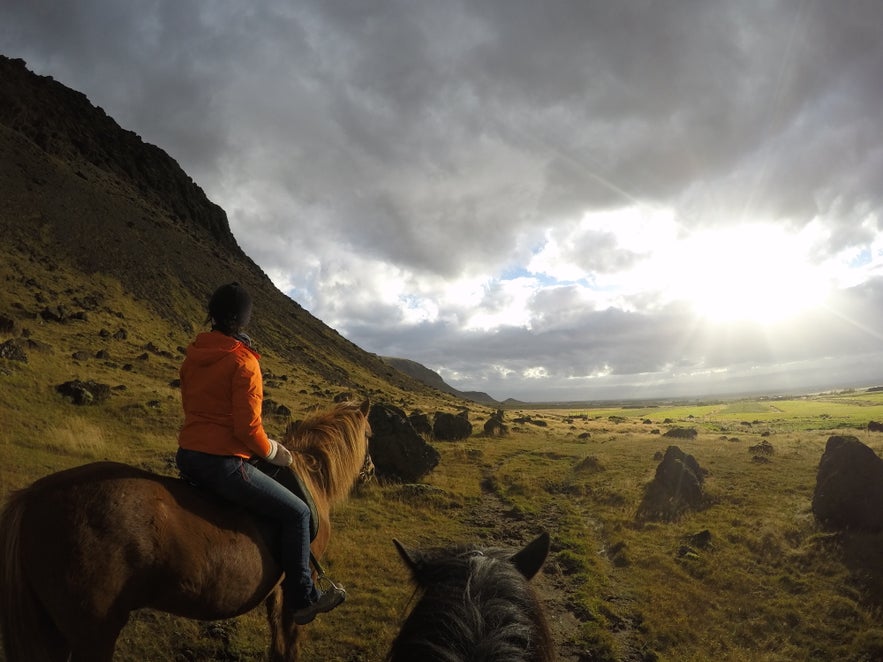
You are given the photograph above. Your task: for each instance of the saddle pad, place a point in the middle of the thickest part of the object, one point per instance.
(288, 478)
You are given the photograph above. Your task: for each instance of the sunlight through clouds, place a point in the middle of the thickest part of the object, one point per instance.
(758, 272)
(544, 204)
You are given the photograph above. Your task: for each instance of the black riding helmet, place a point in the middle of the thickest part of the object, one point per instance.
(229, 309)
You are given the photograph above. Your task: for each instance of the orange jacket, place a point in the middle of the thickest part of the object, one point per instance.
(222, 393)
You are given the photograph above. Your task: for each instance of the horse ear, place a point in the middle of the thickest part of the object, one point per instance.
(530, 559)
(365, 407)
(408, 557)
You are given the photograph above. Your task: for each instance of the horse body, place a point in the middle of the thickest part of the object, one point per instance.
(83, 548)
(476, 605)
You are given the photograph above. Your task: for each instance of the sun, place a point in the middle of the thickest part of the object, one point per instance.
(757, 273)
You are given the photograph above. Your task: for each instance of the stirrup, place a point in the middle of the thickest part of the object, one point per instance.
(323, 581)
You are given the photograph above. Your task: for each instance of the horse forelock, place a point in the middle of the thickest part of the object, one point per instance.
(474, 605)
(330, 447)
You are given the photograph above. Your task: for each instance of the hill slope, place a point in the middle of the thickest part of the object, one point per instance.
(431, 378)
(95, 221)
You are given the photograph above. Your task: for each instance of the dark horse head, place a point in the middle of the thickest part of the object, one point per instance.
(476, 604)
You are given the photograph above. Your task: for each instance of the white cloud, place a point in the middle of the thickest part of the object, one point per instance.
(511, 189)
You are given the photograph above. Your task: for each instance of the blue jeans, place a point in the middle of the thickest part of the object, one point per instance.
(234, 479)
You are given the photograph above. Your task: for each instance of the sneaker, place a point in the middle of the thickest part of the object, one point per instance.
(326, 602)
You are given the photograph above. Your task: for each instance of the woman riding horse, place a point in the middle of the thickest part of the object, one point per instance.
(222, 395)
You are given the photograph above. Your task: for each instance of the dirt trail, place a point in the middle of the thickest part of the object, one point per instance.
(500, 525)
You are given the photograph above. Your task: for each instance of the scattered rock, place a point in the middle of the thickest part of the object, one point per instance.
(701, 539)
(763, 448)
(676, 488)
(494, 426)
(153, 349)
(849, 486)
(420, 422)
(84, 393)
(7, 325)
(13, 351)
(398, 452)
(681, 433)
(451, 427)
(270, 408)
(81, 356)
(53, 314)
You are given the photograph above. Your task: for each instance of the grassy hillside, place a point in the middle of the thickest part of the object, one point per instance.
(433, 379)
(93, 206)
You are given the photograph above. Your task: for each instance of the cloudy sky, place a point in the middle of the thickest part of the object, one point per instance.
(557, 200)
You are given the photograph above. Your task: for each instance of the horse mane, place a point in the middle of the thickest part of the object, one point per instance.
(330, 447)
(475, 605)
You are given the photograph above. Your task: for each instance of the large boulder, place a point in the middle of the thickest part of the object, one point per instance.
(675, 489)
(451, 427)
(84, 393)
(849, 486)
(421, 423)
(398, 452)
(494, 426)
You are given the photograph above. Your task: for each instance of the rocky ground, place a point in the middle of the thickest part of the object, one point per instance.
(505, 527)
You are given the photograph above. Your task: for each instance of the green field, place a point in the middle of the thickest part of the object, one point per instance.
(769, 585)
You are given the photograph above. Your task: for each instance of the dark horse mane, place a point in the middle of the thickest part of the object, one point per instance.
(475, 604)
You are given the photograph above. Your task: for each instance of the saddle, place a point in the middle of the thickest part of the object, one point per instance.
(289, 479)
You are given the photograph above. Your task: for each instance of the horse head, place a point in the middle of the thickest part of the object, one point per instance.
(475, 599)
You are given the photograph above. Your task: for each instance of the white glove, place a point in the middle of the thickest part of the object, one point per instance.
(278, 454)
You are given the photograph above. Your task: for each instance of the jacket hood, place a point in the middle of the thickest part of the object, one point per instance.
(212, 346)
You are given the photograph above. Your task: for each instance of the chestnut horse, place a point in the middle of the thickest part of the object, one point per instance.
(80, 549)
(476, 604)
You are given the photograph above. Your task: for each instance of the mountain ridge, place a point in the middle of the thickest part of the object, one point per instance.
(435, 380)
(80, 190)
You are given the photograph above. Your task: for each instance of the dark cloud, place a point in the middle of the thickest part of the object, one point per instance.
(373, 155)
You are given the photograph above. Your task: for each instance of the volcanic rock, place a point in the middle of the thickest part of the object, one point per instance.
(849, 486)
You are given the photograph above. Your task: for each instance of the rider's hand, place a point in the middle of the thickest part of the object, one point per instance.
(278, 455)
